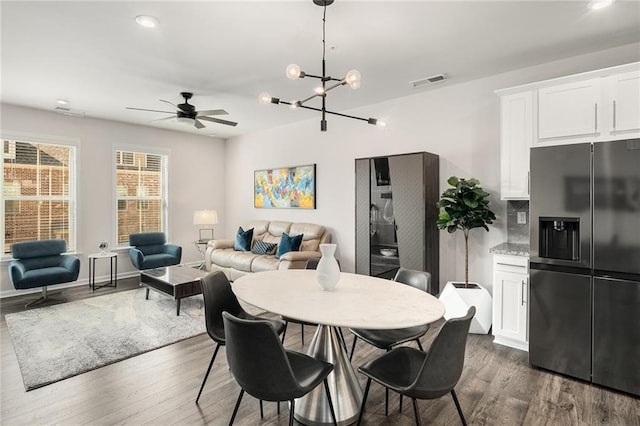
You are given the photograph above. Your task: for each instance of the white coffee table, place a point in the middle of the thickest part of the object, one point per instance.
(358, 301)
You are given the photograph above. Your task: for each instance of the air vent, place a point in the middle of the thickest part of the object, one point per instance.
(438, 78)
(68, 111)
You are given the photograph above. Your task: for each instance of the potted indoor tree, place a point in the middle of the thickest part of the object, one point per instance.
(465, 206)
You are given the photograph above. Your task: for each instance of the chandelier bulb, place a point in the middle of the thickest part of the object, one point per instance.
(319, 90)
(294, 105)
(264, 98)
(293, 71)
(353, 79)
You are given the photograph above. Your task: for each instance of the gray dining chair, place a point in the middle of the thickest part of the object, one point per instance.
(218, 298)
(423, 374)
(265, 370)
(387, 339)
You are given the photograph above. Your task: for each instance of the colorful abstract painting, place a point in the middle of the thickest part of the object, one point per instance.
(285, 188)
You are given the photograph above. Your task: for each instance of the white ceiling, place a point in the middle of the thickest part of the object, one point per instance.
(227, 52)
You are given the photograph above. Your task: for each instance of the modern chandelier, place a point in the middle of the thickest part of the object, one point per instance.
(293, 71)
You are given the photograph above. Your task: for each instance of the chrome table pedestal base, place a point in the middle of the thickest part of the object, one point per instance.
(346, 392)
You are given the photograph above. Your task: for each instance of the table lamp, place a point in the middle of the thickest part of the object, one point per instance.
(206, 218)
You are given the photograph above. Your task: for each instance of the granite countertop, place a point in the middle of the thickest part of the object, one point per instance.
(511, 249)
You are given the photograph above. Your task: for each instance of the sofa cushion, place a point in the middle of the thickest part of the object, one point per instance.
(288, 243)
(230, 258)
(242, 261)
(265, 263)
(262, 247)
(259, 228)
(277, 228)
(222, 257)
(312, 234)
(243, 239)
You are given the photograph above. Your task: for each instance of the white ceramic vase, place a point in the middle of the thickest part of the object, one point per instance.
(328, 271)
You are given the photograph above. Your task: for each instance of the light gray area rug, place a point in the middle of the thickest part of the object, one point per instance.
(57, 342)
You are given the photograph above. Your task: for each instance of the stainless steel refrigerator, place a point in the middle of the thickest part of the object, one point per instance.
(584, 318)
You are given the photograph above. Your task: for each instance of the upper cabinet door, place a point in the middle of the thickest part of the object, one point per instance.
(569, 110)
(516, 140)
(625, 102)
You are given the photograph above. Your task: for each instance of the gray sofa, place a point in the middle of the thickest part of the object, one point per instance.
(221, 256)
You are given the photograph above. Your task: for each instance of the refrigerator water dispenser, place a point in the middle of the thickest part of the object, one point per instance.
(560, 238)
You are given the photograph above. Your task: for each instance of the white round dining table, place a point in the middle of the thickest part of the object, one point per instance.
(358, 301)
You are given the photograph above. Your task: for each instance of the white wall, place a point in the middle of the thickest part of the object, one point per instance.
(196, 179)
(460, 123)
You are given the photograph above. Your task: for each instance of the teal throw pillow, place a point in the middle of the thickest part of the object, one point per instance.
(288, 244)
(262, 247)
(243, 239)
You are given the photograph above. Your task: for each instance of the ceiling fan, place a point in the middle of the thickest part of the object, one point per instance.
(187, 114)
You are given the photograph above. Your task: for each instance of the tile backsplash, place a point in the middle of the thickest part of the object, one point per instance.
(517, 232)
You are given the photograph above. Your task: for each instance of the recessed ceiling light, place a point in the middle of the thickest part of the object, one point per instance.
(62, 102)
(147, 21)
(599, 4)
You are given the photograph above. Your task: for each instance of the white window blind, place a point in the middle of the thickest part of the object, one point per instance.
(141, 195)
(38, 192)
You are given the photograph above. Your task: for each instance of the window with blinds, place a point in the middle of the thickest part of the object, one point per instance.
(141, 194)
(38, 192)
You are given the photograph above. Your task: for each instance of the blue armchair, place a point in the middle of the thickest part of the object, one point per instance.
(40, 264)
(150, 250)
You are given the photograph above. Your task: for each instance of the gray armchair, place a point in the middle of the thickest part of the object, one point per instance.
(40, 264)
(150, 250)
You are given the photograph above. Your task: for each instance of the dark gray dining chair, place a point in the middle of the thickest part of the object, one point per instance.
(387, 339)
(218, 297)
(265, 370)
(423, 375)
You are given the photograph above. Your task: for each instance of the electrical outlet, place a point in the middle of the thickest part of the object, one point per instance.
(522, 218)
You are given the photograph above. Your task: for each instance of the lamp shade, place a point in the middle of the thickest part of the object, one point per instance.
(205, 217)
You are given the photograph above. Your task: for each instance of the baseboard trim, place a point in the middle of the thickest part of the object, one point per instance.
(80, 282)
(83, 281)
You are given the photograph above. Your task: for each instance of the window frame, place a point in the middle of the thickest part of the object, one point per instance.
(164, 197)
(74, 178)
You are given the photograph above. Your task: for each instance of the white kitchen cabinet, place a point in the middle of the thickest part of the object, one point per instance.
(510, 301)
(623, 104)
(595, 106)
(515, 142)
(570, 110)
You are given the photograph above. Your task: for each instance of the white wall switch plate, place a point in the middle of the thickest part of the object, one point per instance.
(522, 218)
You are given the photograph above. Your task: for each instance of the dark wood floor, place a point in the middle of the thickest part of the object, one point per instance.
(497, 387)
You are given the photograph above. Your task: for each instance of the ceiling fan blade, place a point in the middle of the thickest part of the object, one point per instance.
(217, 120)
(163, 119)
(152, 110)
(212, 112)
(172, 104)
(198, 124)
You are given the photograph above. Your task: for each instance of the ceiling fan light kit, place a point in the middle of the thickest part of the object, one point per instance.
(352, 78)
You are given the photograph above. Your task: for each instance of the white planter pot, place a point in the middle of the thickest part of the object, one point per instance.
(458, 301)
